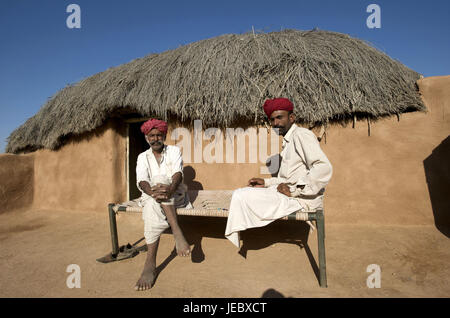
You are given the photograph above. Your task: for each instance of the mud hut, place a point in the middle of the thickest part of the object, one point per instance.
(223, 80)
(83, 143)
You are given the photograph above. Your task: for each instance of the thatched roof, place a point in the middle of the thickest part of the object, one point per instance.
(329, 76)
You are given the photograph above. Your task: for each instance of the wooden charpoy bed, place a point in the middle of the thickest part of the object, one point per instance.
(209, 203)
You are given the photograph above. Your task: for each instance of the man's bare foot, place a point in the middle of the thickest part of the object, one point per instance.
(183, 248)
(147, 279)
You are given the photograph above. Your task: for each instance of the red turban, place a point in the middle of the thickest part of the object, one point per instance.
(154, 123)
(275, 104)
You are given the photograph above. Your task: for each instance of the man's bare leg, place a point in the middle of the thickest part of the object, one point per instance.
(148, 274)
(182, 245)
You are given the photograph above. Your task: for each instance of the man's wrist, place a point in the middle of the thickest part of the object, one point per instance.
(150, 192)
(172, 187)
(297, 192)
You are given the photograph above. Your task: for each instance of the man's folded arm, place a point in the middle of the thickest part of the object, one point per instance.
(317, 163)
(177, 159)
(142, 175)
(145, 187)
(177, 169)
(273, 181)
(176, 180)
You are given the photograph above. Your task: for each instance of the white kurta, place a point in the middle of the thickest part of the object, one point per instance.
(304, 167)
(148, 169)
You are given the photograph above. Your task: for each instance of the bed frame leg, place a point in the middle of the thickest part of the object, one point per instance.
(113, 228)
(320, 219)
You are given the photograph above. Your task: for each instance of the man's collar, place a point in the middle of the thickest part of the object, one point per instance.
(288, 135)
(150, 150)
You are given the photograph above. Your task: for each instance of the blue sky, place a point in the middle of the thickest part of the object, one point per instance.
(39, 54)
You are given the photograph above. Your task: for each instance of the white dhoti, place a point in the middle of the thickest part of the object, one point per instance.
(257, 207)
(155, 220)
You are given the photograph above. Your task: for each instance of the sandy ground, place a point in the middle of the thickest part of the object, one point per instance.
(39, 245)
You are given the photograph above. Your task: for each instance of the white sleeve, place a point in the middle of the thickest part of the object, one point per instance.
(142, 171)
(177, 161)
(273, 181)
(317, 163)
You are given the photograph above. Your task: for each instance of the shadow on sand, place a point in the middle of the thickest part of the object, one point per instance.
(196, 228)
(272, 293)
(437, 171)
(291, 232)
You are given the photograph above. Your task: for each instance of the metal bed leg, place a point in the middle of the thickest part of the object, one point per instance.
(320, 219)
(113, 228)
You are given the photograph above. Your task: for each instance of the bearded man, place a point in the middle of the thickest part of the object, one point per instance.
(159, 175)
(299, 186)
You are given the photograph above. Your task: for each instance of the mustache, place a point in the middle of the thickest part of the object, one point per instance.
(156, 142)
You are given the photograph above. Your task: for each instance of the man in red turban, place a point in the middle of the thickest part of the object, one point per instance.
(275, 104)
(159, 174)
(154, 123)
(282, 110)
(303, 173)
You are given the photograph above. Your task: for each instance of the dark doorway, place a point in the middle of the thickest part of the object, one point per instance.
(136, 145)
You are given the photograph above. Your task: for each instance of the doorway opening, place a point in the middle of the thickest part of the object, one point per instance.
(136, 145)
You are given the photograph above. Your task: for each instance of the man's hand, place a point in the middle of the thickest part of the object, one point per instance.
(161, 188)
(284, 189)
(256, 183)
(161, 192)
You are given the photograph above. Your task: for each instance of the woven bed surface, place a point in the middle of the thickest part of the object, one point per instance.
(200, 199)
(213, 203)
(211, 199)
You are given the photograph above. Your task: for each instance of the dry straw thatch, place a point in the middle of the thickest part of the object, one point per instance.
(329, 76)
